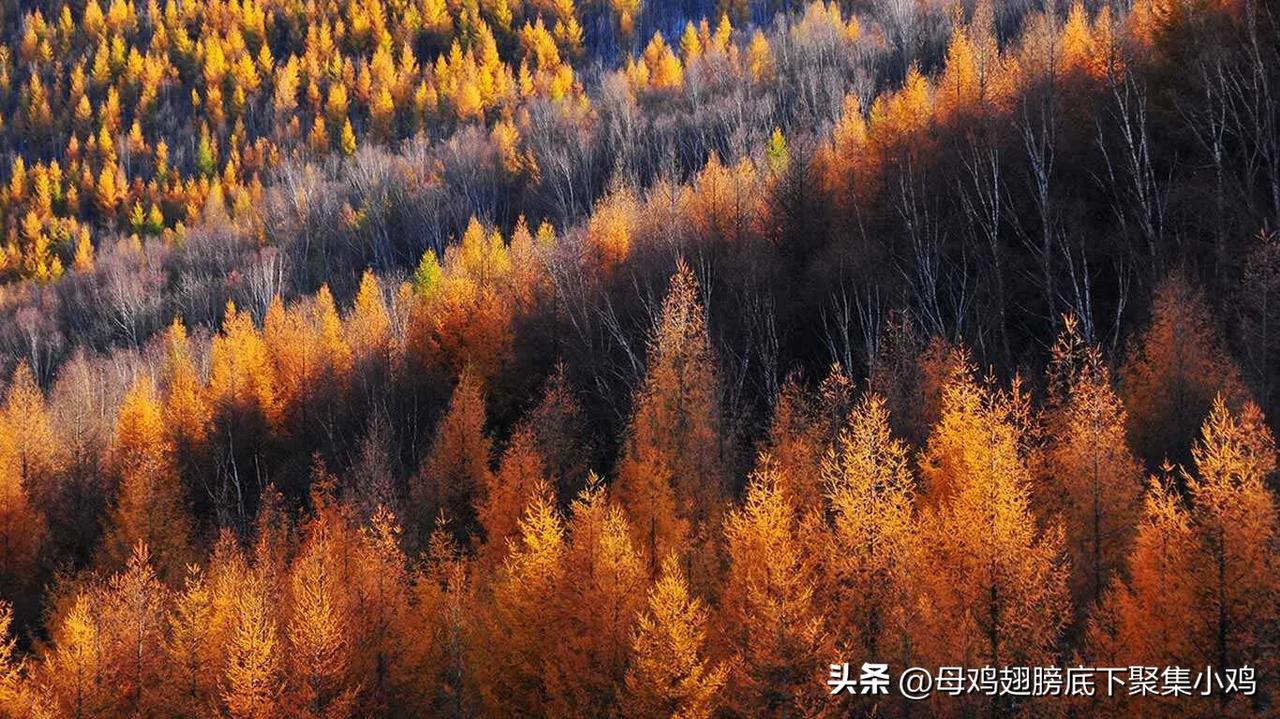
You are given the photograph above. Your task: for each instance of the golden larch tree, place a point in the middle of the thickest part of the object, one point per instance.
(671, 673)
(998, 592)
(805, 423)
(770, 612)
(510, 490)
(22, 526)
(1092, 479)
(253, 684)
(74, 671)
(602, 594)
(368, 329)
(242, 380)
(873, 548)
(151, 506)
(523, 622)
(669, 475)
(193, 649)
(135, 606)
(36, 457)
(187, 414)
(1233, 511)
(1202, 586)
(560, 429)
(318, 632)
(1146, 617)
(18, 696)
(1173, 373)
(456, 471)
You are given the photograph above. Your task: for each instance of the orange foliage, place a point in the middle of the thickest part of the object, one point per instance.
(22, 468)
(999, 594)
(1093, 481)
(669, 474)
(150, 509)
(771, 611)
(873, 548)
(241, 377)
(456, 472)
(671, 672)
(1173, 373)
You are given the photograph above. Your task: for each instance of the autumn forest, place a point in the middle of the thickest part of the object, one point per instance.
(634, 358)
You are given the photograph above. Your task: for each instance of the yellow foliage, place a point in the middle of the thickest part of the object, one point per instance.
(665, 70)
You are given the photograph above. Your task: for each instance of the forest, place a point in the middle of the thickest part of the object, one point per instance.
(403, 358)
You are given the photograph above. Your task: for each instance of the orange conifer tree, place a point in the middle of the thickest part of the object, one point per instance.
(671, 674)
(1093, 479)
(602, 594)
(524, 624)
(873, 547)
(456, 471)
(1170, 378)
(998, 595)
(770, 610)
(669, 474)
(151, 507)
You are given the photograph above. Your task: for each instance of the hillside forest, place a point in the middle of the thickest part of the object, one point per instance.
(633, 358)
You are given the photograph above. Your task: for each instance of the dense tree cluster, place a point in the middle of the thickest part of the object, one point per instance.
(141, 119)
(431, 358)
(504, 577)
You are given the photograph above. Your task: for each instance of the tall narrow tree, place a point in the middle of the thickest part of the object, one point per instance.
(669, 475)
(770, 610)
(998, 595)
(151, 506)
